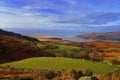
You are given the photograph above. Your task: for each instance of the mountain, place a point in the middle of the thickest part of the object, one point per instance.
(114, 36)
(6, 33)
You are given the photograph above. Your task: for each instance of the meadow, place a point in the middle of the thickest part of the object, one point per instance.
(50, 63)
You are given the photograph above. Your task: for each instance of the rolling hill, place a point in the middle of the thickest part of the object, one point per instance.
(12, 48)
(16, 47)
(45, 55)
(114, 36)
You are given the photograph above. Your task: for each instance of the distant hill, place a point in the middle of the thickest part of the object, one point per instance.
(6, 33)
(114, 36)
(50, 39)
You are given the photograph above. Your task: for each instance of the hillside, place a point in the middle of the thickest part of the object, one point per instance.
(12, 48)
(16, 48)
(12, 34)
(62, 63)
(34, 55)
(114, 36)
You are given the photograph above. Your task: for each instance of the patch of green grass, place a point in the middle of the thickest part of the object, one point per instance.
(63, 63)
(62, 50)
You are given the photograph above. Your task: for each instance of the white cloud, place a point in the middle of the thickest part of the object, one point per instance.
(13, 11)
(32, 14)
(28, 7)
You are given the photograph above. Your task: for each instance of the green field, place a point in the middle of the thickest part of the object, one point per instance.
(60, 50)
(63, 63)
(54, 47)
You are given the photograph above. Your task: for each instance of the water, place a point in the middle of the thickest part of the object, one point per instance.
(64, 34)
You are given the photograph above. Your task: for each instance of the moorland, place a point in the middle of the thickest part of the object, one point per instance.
(33, 58)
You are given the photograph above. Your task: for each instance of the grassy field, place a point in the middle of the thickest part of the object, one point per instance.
(60, 50)
(63, 63)
(60, 47)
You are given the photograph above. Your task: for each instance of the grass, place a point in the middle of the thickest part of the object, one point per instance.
(59, 48)
(63, 63)
(55, 46)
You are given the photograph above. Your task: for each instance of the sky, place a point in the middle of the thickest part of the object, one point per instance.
(90, 15)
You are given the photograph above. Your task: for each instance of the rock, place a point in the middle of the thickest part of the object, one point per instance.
(88, 78)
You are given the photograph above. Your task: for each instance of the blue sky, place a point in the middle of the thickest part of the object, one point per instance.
(88, 15)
